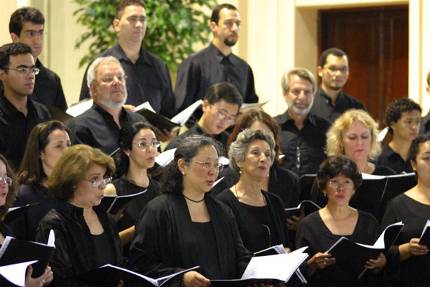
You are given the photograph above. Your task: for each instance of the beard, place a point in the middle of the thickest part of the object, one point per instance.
(300, 111)
(114, 105)
(230, 42)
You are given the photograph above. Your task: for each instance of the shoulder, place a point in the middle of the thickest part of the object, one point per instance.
(274, 200)
(367, 219)
(383, 170)
(153, 59)
(226, 196)
(319, 122)
(42, 110)
(355, 103)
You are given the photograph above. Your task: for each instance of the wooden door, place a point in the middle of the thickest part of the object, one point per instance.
(376, 41)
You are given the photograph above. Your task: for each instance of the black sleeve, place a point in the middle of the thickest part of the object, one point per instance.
(187, 84)
(61, 263)
(60, 100)
(148, 245)
(168, 107)
(250, 95)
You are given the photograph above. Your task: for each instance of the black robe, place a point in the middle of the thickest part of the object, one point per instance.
(276, 225)
(158, 248)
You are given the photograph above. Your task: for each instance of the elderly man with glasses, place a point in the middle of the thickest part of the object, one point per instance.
(220, 108)
(18, 113)
(99, 126)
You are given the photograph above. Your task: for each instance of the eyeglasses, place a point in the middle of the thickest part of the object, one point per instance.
(223, 115)
(99, 182)
(347, 183)
(111, 79)
(6, 179)
(209, 165)
(25, 70)
(144, 145)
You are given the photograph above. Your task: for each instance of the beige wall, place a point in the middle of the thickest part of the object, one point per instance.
(276, 35)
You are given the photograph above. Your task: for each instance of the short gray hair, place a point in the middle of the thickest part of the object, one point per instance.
(239, 147)
(92, 69)
(303, 74)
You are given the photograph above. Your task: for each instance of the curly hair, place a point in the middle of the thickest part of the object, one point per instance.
(338, 165)
(394, 111)
(248, 118)
(239, 148)
(343, 123)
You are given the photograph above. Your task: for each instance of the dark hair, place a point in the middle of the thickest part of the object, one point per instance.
(394, 111)
(30, 170)
(11, 195)
(12, 49)
(331, 51)
(172, 181)
(72, 168)
(223, 91)
(24, 14)
(415, 146)
(217, 10)
(125, 3)
(338, 165)
(248, 118)
(126, 136)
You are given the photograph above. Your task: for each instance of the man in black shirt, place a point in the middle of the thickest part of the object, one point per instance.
(216, 63)
(302, 134)
(425, 122)
(330, 101)
(26, 26)
(18, 113)
(220, 108)
(148, 78)
(99, 126)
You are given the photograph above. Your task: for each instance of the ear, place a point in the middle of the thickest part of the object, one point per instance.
(2, 74)
(414, 165)
(115, 25)
(428, 89)
(182, 166)
(93, 89)
(14, 37)
(213, 26)
(319, 71)
(127, 152)
(205, 105)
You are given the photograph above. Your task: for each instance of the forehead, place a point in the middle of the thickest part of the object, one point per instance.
(21, 60)
(357, 127)
(108, 68)
(424, 147)
(259, 125)
(133, 10)
(223, 105)
(58, 134)
(145, 133)
(333, 60)
(257, 143)
(30, 26)
(410, 114)
(228, 14)
(297, 82)
(207, 151)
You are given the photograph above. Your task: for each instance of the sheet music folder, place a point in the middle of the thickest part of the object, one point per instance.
(109, 276)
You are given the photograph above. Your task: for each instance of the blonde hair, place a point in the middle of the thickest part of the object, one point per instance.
(343, 123)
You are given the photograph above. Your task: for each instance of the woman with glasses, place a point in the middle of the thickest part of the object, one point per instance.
(45, 145)
(402, 118)
(411, 259)
(353, 135)
(338, 178)
(260, 215)
(185, 226)
(138, 149)
(7, 196)
(84, 236)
